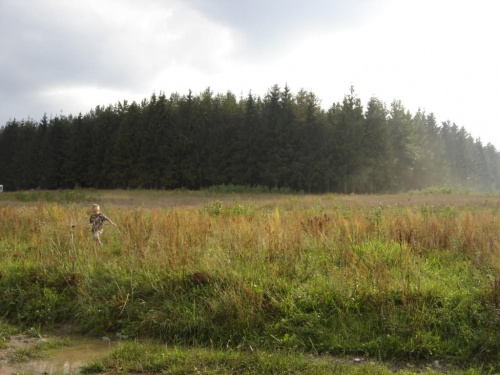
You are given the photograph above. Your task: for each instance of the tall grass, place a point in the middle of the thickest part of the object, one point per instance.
(322, 274)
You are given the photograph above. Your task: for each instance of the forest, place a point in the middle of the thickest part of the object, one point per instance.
(282, 140)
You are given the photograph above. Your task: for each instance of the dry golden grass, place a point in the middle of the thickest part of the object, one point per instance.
(153, 223)
(202, 230)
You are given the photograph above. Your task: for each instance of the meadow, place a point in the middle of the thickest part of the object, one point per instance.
(260, 282)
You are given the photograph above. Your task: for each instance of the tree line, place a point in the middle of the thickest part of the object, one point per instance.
(282, 140)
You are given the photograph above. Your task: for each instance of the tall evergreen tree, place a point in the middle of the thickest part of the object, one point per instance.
(126, 147)
(376, 145)
(403, 144)
(249, 146)
(310, 160)
(273, 167)
(52, 155)
(104, 123)
(492, 158)
(78, 149)
(9, 144)
(348, 129)
(282, 140)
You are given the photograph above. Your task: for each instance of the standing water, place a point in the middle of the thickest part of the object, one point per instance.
(65, 360)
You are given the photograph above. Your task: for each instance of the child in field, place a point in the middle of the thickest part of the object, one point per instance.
(97, 220)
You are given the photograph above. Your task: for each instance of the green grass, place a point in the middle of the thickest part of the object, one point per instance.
(47, 196)
(156, 359)
(294, 276)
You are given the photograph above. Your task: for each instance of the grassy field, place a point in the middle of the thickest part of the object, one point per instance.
(261, 282)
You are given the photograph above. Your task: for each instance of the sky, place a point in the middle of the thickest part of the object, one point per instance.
(64, 57)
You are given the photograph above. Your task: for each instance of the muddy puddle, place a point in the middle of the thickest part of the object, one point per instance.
(65, 360)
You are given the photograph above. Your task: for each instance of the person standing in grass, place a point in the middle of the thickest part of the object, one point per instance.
(97, 220)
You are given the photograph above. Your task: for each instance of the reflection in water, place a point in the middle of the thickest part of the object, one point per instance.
(65, 360)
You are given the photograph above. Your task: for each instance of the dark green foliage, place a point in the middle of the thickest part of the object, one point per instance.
(282, 141)
(377, 146)
(34, 295)
(202, 308)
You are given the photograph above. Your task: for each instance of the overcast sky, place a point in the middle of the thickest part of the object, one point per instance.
(65, 57)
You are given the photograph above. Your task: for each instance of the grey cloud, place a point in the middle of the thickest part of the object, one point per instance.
(55, 44)
(51, 48)
(55, 47)
(265, 25)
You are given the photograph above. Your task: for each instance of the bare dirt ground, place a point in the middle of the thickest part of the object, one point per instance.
(194, 199)
(10, 348)
(199, 199)
(20, 354)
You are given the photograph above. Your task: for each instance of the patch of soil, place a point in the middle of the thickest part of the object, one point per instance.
(66, 359)
(16, 342)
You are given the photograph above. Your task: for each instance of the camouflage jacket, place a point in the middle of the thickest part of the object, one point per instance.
(97, 221)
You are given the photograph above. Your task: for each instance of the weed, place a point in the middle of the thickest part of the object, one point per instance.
(214, 208)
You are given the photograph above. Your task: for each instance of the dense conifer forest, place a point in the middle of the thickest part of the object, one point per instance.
(282, 140)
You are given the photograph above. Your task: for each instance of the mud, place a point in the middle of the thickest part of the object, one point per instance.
(64, 360)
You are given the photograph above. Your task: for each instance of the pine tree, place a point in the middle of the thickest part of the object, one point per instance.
(347, 122)
(403, 135)
(376, 144)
